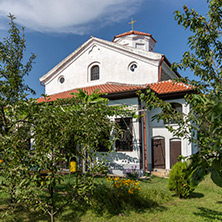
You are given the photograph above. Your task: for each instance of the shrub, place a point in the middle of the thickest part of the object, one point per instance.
(124, 185)
(179, 180)
(132, 173)
(118, 196)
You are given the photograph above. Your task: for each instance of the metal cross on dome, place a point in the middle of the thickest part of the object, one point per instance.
(132, 22)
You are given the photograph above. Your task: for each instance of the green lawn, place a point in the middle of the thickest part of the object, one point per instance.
(154, 203)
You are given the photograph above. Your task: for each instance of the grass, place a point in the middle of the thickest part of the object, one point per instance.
(154, 203)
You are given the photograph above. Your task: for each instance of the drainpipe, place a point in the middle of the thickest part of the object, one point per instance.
(160, 68)
(144, 136)
(140, 136)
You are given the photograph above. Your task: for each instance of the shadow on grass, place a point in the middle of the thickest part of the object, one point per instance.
(20, 214)
(209, 214)
(196, 195)
(73, 212)
(153, 177)
(112, 201)
(105, 202)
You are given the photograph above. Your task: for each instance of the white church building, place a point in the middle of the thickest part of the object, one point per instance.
(120, 68)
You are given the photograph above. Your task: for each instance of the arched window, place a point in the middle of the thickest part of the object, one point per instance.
(177, 107)
(94, 73)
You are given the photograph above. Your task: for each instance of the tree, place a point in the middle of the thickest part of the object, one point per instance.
(80, 119)
(13, 93)
(31, 176)
(203, 125)
(94, 125)
(50, 131)
(12, 70)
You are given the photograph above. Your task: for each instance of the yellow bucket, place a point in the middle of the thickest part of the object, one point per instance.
(73, 166)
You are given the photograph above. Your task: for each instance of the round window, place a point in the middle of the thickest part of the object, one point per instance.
(133, 67)
(61, 79)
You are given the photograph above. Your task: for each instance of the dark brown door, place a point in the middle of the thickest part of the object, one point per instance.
(175, 151)
(158, 148)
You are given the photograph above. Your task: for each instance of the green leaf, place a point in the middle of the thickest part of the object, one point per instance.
(216, 176)
(217, 164)
(197, 176)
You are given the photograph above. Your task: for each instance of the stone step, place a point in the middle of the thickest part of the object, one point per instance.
(160, 173)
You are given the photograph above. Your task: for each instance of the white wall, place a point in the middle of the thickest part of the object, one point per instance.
(114, 67)
(137, 41)
(158, 129)
(121, 161)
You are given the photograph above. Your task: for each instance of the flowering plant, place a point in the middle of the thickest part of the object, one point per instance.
(122, 185)
(132, 173)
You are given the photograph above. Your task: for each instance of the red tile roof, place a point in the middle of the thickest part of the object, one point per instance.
(134, 33)
(169, 87)
(164, 87)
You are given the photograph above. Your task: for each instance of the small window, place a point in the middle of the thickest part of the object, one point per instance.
(125, 140)
(94, 73)
(177, 107)
(61, 79)
(132, 66)
(140, 46)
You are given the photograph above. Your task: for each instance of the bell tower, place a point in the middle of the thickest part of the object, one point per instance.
(136, 39)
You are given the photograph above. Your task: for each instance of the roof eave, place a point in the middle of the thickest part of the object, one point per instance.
(175, 95)
(169, 64)
(119, 36)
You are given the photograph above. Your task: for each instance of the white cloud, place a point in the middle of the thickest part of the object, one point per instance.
(70, 16)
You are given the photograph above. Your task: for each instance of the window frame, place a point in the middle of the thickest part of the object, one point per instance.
(60, 78)
(93, 75)
(128, 130)
(132, 67)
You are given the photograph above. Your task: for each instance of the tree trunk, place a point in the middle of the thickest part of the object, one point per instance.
(52, 204)
(52, 216)
(84, 161)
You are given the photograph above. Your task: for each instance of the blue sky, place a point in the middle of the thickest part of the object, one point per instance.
(55, 28)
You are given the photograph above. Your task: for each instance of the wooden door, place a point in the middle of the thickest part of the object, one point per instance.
(175, 151)
(158, 150)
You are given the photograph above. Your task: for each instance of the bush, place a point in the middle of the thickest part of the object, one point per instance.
(179, 180)
(133, 173)
(124, 185)
(120, 195)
